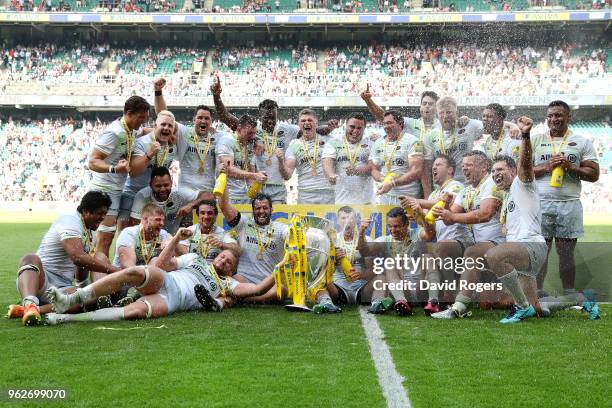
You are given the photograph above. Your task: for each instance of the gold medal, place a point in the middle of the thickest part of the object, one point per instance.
(129, 139)
(270, 144)
(146, 253)
(315, 154)
(260, 244)
(388, 160)
(201, 155)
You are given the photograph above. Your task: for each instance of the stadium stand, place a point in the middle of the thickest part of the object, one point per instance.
(467, 69)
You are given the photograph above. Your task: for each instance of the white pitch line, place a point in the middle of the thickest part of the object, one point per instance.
(389, 379)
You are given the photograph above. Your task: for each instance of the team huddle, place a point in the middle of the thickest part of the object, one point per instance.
(493, 193)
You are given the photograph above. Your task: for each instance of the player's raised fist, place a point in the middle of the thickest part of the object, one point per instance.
(159, 84)
(525, 124)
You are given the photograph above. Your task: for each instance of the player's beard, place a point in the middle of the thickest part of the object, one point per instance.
(263, 221)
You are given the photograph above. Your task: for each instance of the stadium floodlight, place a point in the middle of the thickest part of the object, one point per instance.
(576, 107)
(18, 107)
(512, 107)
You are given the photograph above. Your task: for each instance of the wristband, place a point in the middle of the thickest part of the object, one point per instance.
(525, 135)
(158, 93)
(147, 156)
(111, 169)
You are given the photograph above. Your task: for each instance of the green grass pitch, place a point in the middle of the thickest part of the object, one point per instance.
(266, 357)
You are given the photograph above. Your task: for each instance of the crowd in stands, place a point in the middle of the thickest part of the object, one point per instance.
(46, 161)
(391, 70)
(270, 6)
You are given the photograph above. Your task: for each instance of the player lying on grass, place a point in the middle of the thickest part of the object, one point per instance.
(64, 258)
(163, 292)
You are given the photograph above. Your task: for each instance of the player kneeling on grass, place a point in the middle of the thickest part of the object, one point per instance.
(525, 249)
(163, 292)
(64, 258)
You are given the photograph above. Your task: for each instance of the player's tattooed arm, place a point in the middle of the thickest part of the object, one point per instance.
(426, 177)
(525, 161)
(224, 116)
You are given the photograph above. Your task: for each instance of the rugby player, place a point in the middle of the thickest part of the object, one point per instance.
(500, 140)
(110, 163)
(236, 152)
(346, 166)
(152, 150)
(261, 240)
(419, 127)
(175, 203)
(359, 288)
(207, 238)
(139, 244)
(163, 292)
(451, 240)
(275, 137)
(397, 242)
(304, 154)
(561, 207)
(400, 153)
(195, 146)
(518, 261)
(64, 258)
(478, 206)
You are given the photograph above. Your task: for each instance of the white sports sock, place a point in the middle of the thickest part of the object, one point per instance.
(511, 284)
(82, 295)
(30, 299)
(461, 302)
(102, 315)
(459, 306)
(324, 298)
(433, 277)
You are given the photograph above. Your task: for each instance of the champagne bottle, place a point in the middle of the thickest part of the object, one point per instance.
(556, 178)
(220, 184)
(430, 217)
